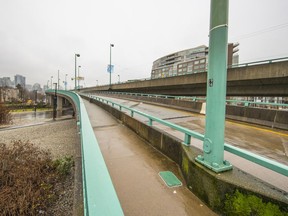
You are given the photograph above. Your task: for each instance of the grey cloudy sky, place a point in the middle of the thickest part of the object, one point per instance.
(40, 37)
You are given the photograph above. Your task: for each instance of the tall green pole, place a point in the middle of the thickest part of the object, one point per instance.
(110, 66)
(76, 55)
(75, 72)
(213, 145)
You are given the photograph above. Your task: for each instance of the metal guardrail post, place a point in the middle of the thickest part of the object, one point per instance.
(213, 145)
(187, 139)
(150, 123)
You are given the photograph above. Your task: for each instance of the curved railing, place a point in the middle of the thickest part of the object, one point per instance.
(100, 197)
(199, 99)
(270, 164)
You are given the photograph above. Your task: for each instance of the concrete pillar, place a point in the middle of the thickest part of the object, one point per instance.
(59, 106)
(49, 99)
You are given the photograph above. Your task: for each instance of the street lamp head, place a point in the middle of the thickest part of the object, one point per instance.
(77, 55)
(112, 45)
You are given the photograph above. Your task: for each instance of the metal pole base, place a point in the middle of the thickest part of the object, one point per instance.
(214, 166)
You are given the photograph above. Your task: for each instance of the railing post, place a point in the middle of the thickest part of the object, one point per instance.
(187, 139)
(132, 113)
(213, 145)
(150, 123)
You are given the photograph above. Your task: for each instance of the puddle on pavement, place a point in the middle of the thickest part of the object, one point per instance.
(34, 118)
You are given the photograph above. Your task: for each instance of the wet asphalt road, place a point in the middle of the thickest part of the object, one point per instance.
(266, 142)
(134, 166)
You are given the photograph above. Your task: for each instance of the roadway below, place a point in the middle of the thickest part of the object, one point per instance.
(134, 166)
(272, 144)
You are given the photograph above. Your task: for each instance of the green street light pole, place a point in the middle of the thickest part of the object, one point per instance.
(213, 145)
(79, 76)
(51, 82)
(110, 66)
(76, 55)
(66, 81)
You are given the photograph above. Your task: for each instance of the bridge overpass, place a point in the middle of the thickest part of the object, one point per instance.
(173, 148)
(264, 78)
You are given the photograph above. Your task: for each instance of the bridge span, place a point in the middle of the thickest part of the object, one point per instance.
(268, 78)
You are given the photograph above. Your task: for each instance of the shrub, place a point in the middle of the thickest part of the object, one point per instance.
(5, 115)
(63, 165)
(247, 205)
(28, 179)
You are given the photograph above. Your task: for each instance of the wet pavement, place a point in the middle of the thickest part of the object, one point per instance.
(32, 118)
(269, 143)
(134, 166)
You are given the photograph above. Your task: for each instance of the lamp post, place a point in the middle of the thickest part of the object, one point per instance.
(66, 81)
(55, 102)
(118, 78)
(35, 99)
(110, 66)
(51, 82)
(213, 144)
(96, 82)
(76, 55)
(79, 76)
(58, 85)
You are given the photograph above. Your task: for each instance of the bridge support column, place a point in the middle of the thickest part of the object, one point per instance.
(49, 99)
(213, 145)
(59, 106)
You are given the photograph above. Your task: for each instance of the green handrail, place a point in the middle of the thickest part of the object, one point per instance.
(270, 164)
(100, 197)
(245, 103)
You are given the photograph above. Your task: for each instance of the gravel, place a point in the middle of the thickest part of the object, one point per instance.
(61, 138)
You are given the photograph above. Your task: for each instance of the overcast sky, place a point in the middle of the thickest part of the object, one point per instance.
(40, 37)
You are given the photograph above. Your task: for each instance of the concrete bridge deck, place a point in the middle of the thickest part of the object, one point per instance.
(134, 166)
(268, 79)
(262, 141)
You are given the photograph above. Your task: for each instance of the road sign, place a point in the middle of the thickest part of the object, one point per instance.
(110, 68)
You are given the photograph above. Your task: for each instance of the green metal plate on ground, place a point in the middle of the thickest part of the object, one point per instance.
(170, 179)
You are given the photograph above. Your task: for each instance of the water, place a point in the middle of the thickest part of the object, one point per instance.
(24, 119)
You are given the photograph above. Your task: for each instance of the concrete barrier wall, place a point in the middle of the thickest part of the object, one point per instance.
(264, 117)
(210, 187)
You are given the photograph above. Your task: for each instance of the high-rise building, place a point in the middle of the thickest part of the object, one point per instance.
(6, 82)
(19, 79)
(188, 61)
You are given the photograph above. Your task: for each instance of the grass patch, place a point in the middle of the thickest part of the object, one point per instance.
(28, 178)
(239, 204)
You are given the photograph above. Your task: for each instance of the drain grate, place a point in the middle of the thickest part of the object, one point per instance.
(170, 179)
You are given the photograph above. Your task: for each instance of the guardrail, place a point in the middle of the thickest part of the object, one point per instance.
(267, 61)
(100, 197)
(246, 64)
(270, 164)
(237, 102)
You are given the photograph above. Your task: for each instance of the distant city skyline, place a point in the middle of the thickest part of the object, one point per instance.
(38, 38)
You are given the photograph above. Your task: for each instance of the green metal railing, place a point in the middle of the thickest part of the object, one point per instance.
(100, 197)
(197, 99)
(268, 61)
(270, 164)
